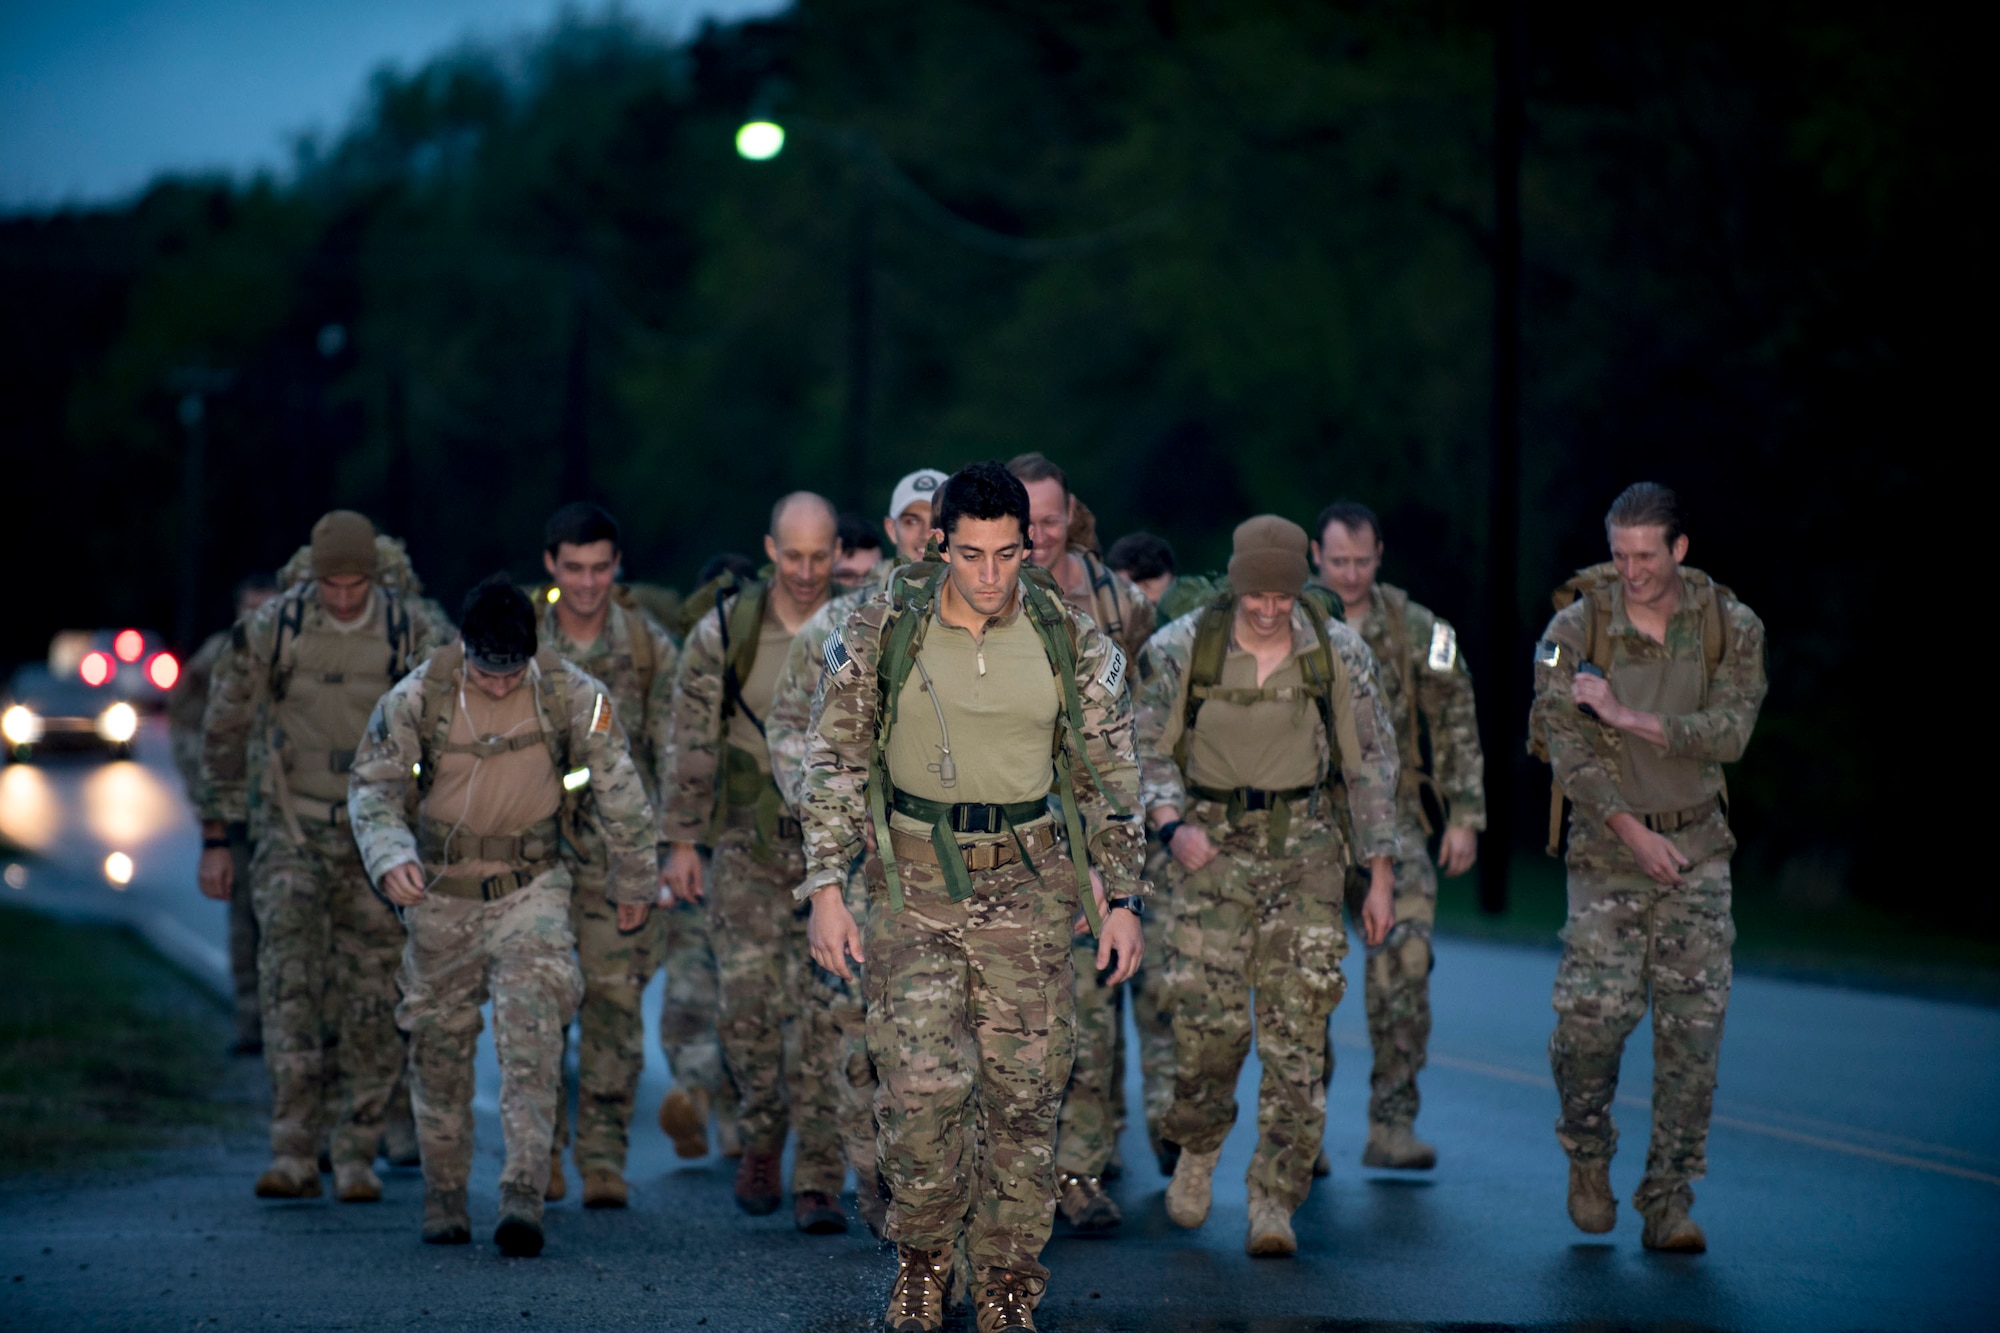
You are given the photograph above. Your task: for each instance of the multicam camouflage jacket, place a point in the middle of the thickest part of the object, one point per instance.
(788, 728)
(187, 705)
(240, 693)
(1114, 603)
(588, 741)
(645, 709)
(1427, 691)
(1367, 744)
(696, 733)
(841, 748)
(1587, 757)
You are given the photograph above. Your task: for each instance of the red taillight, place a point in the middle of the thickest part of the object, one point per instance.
(163, 670)
(95, 668)
(129, 644)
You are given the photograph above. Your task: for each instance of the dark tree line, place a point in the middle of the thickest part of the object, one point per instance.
(537, 271)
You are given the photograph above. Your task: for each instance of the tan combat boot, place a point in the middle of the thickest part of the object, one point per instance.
(916, 1302)
(1191, 1190)
(1669, 1228)
(519, 1234)
(558, 1187)
(1397, 1148)
(445, 1220)
(1591, 1205)
(1005, 1303)
(289, 1178)
(684, 1119)
(1271, 1234)
(356, 1182)
(604, 1188)
(1084, 1204)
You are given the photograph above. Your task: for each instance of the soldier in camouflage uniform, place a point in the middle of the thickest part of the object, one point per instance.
(970, 997)
(836, 1077)
(305, 669)
(1094, 1108)
(1427, 691)
(1247, 710)
(721, 795)
(186, 707)
(514, 752)
(1680, 665)
(588, 621)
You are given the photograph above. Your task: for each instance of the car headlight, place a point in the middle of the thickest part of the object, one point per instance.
(118, 723)
(20, 726)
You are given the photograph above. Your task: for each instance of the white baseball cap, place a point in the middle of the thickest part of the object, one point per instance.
(919, 485)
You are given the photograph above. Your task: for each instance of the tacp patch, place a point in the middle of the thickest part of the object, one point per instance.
(1444, 647)
(835, 655)
(600, 717)
(1112, 678)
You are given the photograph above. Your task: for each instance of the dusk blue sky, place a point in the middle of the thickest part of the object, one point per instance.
(99, 96)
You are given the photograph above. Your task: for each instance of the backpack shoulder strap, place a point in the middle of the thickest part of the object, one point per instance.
(1211, 647)
(1102, 580)
(644, 660)
(396, 623)
(741, 620)
(1319, 666)
(552, 683)
(439, 706)
(1397, 603)
(285, 642)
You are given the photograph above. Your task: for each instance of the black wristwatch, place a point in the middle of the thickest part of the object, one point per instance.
(1132, 903)
(1167, 830)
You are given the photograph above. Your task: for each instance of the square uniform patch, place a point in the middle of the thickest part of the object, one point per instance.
(835, 655)
(600, 716)
(1113, 675)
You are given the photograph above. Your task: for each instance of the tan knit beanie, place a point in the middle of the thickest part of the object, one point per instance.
(1270, 557)
(343, 542)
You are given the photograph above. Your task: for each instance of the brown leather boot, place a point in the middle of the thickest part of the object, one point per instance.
(1084, 1204)
(684, 1119)
(916, 1302)
(519, 1234)
(1005, 1303)
(757, 1191)
(604, 1188)
(289, 1178)
(356, 1182)
(1591, 1204)
(1669, 1228)
(445, 1220)
(558, 1187)
(817, 1214)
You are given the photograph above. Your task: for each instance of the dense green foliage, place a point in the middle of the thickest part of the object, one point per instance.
(1743, 229)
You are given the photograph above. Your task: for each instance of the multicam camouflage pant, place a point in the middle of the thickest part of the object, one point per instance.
(762, 962)
(1249, 921)
(1093, 1109)
(833, 1056)
(689, 1002)
(249, 1009)
(519, 952)
(611, 1048)
(1398, 979)
(1628, 936)
(327, 949)
(971, 1024)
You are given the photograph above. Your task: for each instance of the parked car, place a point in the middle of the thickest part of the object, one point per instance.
(89, 695)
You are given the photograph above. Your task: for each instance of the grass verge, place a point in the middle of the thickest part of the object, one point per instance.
(105, 1049)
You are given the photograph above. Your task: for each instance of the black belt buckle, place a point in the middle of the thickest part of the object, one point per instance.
(789, 827)
(989, 819)
(1254, 798)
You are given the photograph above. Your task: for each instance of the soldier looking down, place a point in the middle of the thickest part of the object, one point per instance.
(1646, 683)
(1249, 711)
(1427, 692)
(469, 799)
(305, 668)
(722, 796)
(591, 621)
(955, 703)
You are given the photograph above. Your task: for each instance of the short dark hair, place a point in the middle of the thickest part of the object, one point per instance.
(1647, 504)
(251, 584)
(855, 533)
(580, 524)
(1140, 556)
(982, 490)
(1350, 514)
(1034, 467)
(497, 619)
(725, 562)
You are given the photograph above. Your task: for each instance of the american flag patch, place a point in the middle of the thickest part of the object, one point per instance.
(835, 655)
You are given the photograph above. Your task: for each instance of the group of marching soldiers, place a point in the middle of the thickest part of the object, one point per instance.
(905, 843)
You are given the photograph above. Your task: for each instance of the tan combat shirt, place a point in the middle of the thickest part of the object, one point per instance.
(500, 795)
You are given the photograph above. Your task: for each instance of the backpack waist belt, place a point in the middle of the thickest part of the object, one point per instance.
(490, 889)
(1240, 801)
(319, 761)
(323, 812)
(534, 846)
(982, 856)
(1675, 820)
(971, 817)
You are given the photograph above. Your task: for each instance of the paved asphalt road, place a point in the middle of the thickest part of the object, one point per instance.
(1855, 1181)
